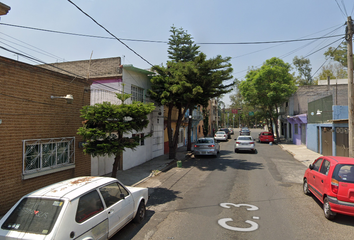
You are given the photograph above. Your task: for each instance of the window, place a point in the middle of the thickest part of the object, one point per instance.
(113, 193)
(317, 164)
(325, 167)
(344, 173)
(89, 205)
(137, 94)
(142, 139)
(44, 154)
(34, 215)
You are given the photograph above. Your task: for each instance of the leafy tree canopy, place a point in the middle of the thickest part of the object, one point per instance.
(303, 67)
(338, 54)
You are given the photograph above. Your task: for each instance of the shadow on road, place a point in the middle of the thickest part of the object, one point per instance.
(161, 195)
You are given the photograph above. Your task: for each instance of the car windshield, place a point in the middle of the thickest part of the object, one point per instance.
(34, 215)
(344, 173)
(245, 138)
(205, 141)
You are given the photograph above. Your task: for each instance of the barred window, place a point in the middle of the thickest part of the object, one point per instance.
(137, 93)
(44, 154)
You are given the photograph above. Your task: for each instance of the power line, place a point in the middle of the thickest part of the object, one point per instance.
(166, 42)
(110, 33)
(340, 8)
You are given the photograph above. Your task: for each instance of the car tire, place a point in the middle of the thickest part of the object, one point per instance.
(305, 187)
(235, 151)
(327, 210)
(140, 214)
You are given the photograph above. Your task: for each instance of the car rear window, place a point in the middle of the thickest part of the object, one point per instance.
(244, 138)
(220, 132)
(267, 134)
(34, 215)
(205, 141)
(344, 173)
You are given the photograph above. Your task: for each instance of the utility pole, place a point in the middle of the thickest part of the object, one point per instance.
(349, 38)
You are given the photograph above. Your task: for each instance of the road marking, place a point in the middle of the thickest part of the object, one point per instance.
(223, 222)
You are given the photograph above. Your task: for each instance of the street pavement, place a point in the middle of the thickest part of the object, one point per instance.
(138, 174)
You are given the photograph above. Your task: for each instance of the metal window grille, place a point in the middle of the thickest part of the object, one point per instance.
(44, 154)
(137, 94)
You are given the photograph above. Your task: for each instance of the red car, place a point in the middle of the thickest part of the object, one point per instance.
(331, 180)
(266, 137)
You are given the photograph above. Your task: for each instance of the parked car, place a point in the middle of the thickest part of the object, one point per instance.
(221, 136)
(206, 146)
(245, 131)
(245, 143)
(78, 208)
(231, 131)
(227, 132)
(331, 180)
(266, 137)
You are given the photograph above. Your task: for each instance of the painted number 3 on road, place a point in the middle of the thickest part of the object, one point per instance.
(223, 222)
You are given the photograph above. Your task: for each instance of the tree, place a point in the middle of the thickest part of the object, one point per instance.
(106, 124)
(181, 47)
(338, 54)
(303, 66)
(333, 71)
(268, 87)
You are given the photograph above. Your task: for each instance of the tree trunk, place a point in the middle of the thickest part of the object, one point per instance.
(116, 164)
(189, 137)
(276, 124)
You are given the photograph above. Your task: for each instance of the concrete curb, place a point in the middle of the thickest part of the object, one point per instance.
(169, 166)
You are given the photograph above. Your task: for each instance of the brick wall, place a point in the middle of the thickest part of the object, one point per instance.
(28, 112)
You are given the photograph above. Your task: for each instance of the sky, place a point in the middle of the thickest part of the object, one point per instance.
(144, 27)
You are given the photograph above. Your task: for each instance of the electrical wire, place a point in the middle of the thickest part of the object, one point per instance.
(340, 8)
(166, 42)
(326, 60)
(110, 33)
(345, 9)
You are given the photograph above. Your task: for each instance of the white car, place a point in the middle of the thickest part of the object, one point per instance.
(78, 208)
(221, 136)
(206, 146)
(245, 143)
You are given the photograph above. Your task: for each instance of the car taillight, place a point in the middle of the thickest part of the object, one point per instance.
(251, 142)
(196, 146)
(211, 145)
(334, 186)
(224, 135)
(238, 142)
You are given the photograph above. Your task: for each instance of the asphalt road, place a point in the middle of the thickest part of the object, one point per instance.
(235, 196)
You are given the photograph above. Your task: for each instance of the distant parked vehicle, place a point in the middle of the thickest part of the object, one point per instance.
(227, 132)
(221, 136)
(231, 131)
(331, 180)
(245, 131)
(266, 137)
(206, 146)
(78, 208)
(245, 143)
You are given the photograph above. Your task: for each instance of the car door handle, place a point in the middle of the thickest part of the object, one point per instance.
(321, 181)
(314, 177)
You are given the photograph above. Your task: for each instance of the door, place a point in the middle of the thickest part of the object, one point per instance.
(342, 142)
(322, 177)
(326, 141)
(313, 175)
(303, 134)
(120, 206)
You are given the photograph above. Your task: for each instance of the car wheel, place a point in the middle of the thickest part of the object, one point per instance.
(140, 214)
(235, 151)
(327, 210)
(305, 187)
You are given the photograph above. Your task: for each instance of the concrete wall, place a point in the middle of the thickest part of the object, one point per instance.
(28, 112)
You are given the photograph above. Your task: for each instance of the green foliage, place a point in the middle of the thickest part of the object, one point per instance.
(106, 123)
(181, 46)
(333, 71)
(303, 66)
(338, 54)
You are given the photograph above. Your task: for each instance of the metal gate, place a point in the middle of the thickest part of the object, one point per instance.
(342, 142)
(326, 141)
(303, 134)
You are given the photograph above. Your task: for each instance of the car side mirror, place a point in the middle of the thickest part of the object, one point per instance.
(311, 166)
(122, 196)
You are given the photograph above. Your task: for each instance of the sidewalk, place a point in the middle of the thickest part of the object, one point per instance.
(300, 153)
(135, 175)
